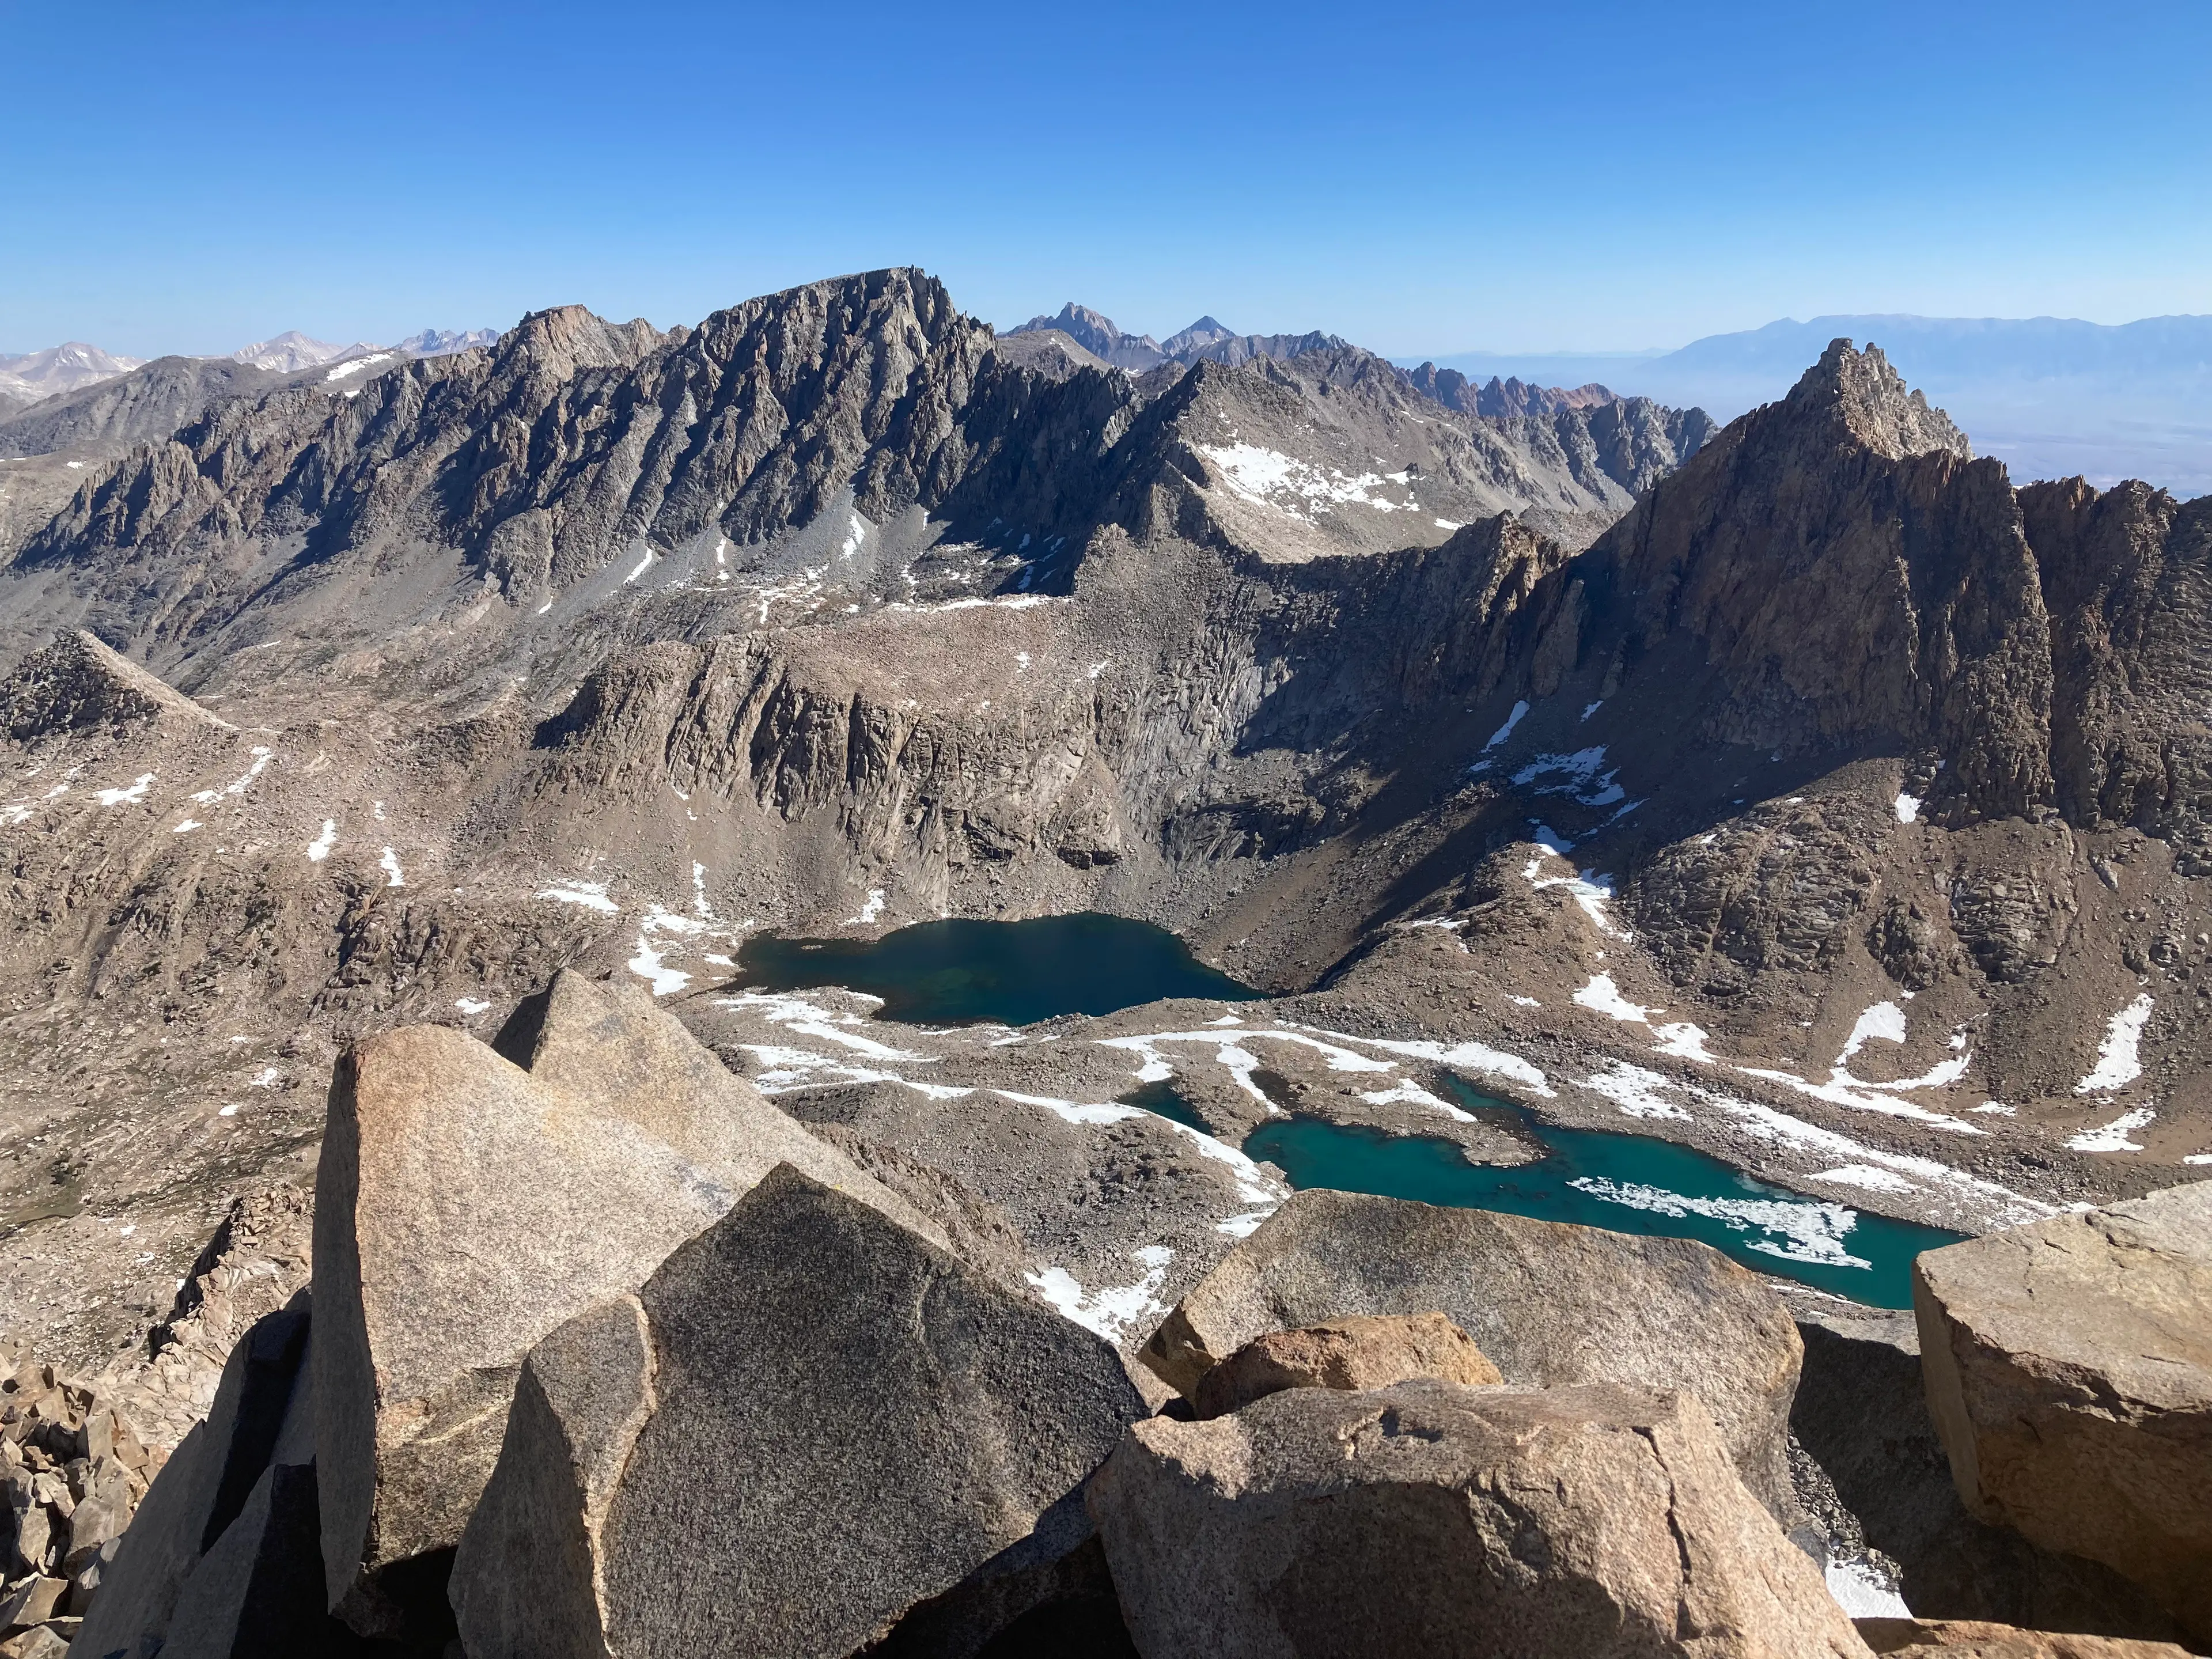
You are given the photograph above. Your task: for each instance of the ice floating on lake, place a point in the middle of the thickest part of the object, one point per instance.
(1797, 1232)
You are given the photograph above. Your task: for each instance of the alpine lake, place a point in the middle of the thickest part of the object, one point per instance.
(1016, 973)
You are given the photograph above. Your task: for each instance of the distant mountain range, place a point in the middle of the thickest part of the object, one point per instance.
(26, 378)
(2050, 397)
(31, 377)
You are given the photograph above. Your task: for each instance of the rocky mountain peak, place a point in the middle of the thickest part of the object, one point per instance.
(1872, 401)
(1205, 331)
(79, 684)
(565, 338)
(1097, 335)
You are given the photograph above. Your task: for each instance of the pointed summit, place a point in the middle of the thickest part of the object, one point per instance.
(1096, 335)
(1871, 400)
(79, 684)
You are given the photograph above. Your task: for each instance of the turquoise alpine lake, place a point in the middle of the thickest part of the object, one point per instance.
(1014, 973)
(1627, 1184)
(1006, 973)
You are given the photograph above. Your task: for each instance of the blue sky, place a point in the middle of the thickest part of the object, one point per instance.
(1418, 178)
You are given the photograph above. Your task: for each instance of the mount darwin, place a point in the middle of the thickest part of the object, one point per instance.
(565, 1091)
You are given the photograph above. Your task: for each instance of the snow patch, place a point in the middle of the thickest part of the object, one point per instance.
(1075, 1112)
(1506, 731)
(869, 911)
(132, 796)
(1684, 1040)
(356, 365)
(1885, 1020)
(1866, 1176)
(592, 894)
(1105, 1313)
(184, 829)
(320, 848)
(1602, 995)
(2113, 1137)
(471, 1006)
(2119, 1062)
(1635, 1090)
(390, 865)
(1862, 1593)
(1908, 808)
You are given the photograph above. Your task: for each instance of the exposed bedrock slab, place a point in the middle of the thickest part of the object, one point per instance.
(1548, 1303)
(808, 1422)
(464, 1208)
(1364, 1352)
(1861, 1412)
(2068, 1370)
(1432, 1518)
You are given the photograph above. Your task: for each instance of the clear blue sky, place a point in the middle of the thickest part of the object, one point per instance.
(1418, 178)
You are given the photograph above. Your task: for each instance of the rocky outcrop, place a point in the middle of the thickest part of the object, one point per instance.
(544, 1201)
(143, 406)
(2127, 578)
(1861, 1415)
(2068, 1367)
(841, 1420)
(225, 1544)
(77, 684)
(1428, 1518)
(1966, 1638)
(1348, 1355)
(1550, 1305)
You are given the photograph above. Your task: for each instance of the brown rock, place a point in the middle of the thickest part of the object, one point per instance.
(2068, 1369)
(43, 1642)
(1549, 1304)
(1368, 1352)
(33, 1602)
(1971, 1638)
(1430, 1519)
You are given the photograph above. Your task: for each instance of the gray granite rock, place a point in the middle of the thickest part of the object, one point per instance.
(258, 1594)
(464, 1208)
(809, 1421)
(202, 1488)
(1429, 1518)
(1549, 1304)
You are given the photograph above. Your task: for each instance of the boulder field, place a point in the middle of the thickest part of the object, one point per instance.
(604, 1355)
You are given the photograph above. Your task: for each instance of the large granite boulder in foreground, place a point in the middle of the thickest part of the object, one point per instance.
(1860, 1413)
(809, 1421)
(1550, 1304)
(1429, 1518)
(464, 1208)
(2069, 1370)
